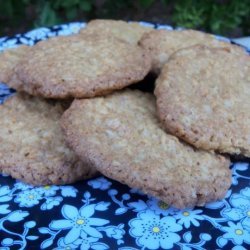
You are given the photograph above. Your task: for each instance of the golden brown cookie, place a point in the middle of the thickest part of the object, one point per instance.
(203, 97)
(32, 145)
(63, 67)
(9, 59)
(129, 32)
(121, 136)
(161, 44)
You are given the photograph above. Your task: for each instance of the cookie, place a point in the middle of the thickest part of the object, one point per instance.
(129, 32)
(161, 44)
(32, 144)
(203, 97)
(9, 59)
(121, 136)
(64, 67)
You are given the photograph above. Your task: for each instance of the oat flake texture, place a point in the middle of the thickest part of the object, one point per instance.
(80, 66)
(121, 136)
(129, 32)
(161, 44)
(203, 96)
(32, 145)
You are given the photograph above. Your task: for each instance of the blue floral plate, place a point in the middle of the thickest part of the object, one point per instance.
(103, 214)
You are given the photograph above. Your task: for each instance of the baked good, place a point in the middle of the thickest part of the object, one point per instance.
(9, 59)
(32, 144)
(203, 97)
(161, 44)
(121, 136)
(71, 66)
(130, 32)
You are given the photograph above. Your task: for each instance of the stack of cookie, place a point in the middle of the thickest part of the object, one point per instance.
(75, 114)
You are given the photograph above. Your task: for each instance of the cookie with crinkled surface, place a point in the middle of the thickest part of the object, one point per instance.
(9, 59)
(121, 136)
(73, 66)
(161, 44)
(203, 97)
(32, 144)
(129, 32)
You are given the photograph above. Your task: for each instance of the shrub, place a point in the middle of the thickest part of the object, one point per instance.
(217, 16)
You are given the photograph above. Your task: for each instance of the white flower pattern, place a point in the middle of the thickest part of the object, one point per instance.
(236, 233)
(187, 217)
(100, 183)
(78, 221)
(240, 209)
(28, 198)
(154, 232)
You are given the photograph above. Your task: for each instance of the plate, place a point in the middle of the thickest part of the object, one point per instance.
(103, 214)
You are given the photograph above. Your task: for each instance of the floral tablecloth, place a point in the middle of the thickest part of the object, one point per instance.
(103, 214)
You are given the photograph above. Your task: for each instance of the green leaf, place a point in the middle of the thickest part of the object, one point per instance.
(85, 5)
(26, 1)
(48, 16)
(69, 3)
(57, 4)
(146, 3)
(71, 13)
(189, 15)
(6, 8)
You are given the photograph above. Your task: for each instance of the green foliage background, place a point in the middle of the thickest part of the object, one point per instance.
(226, 17)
